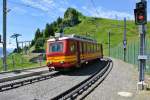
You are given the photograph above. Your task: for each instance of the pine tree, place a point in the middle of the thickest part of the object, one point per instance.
(59, 21)
(37, 34)
(49, 30)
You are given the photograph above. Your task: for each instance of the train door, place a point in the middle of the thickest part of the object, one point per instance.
(78, 54)
(81, 52)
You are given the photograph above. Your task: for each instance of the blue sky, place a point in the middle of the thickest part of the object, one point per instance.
(28, 15)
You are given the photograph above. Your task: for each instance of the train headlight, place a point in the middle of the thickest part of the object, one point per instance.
(61, 62)
(48, 63)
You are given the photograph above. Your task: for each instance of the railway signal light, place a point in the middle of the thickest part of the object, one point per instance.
(140, 13)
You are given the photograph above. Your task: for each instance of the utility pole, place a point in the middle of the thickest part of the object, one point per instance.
(141, 20)
(109, 44)
(124, 40)
(4, 34)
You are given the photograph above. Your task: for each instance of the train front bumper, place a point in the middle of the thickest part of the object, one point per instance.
(61, 64)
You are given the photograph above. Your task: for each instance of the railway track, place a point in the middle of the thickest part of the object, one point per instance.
(84, 88)
(27, 81)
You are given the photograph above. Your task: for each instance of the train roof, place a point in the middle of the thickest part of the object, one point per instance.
(74, 37)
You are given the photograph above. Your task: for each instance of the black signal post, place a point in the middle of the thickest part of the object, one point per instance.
(140, 20)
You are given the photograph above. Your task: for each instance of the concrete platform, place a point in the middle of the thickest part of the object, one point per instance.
(4, 77)
(120, 84)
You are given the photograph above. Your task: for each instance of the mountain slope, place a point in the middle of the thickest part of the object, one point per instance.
(75, 22)
(98, 28)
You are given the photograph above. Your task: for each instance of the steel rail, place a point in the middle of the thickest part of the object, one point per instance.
(27, 81)
(97, 83)
(77, 90)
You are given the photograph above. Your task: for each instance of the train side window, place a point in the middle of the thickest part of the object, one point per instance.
(97, 47)
(87, 45)
(84, 44)
(81, 49)
(94, 47)
(100, 48)
(91, 47)
(88, 48)
(72, 47)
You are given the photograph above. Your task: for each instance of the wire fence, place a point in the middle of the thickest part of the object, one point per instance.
(21, 61)
(132, 52)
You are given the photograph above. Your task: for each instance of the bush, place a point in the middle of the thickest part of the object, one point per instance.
(17, 51)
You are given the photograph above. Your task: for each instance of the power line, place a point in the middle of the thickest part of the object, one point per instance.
(26, 5)
(94, 6)
(33, 7)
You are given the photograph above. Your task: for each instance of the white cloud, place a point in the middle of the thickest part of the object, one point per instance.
(19, 10)
(1, 45)
(62, 9)
(9, 46)
(37, 14)
(50, 7)
(44, 5)
(104, 13)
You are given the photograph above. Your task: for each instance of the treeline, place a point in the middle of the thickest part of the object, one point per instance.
(71, 18)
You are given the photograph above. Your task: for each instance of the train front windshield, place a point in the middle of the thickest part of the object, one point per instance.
(56, 47)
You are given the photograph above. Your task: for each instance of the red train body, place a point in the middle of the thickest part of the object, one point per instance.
(71, 51)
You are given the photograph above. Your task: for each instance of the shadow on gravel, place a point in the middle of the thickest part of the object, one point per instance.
(87, 69)
(148, 89)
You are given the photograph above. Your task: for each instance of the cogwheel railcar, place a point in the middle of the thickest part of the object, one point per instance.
(71, 51)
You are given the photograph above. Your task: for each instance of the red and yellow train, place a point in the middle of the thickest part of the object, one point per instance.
(71, 51)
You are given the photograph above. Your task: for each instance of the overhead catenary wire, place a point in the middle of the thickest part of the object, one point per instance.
(98, 14)
(94, 6)
(26, 5)
(33, 7)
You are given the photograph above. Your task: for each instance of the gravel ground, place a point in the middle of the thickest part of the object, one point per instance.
(120, 84)
(44, 90)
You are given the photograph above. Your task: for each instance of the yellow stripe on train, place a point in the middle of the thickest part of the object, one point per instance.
(72, 58)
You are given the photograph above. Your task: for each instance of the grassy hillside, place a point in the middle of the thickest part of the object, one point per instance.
(98, 28)
(21, 61)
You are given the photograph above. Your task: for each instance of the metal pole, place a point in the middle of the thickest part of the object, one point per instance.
(22, 47)
(4, 34)
(125, 39)
(109, 43)
(142, 55)
(17, 45)
(142, 52)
